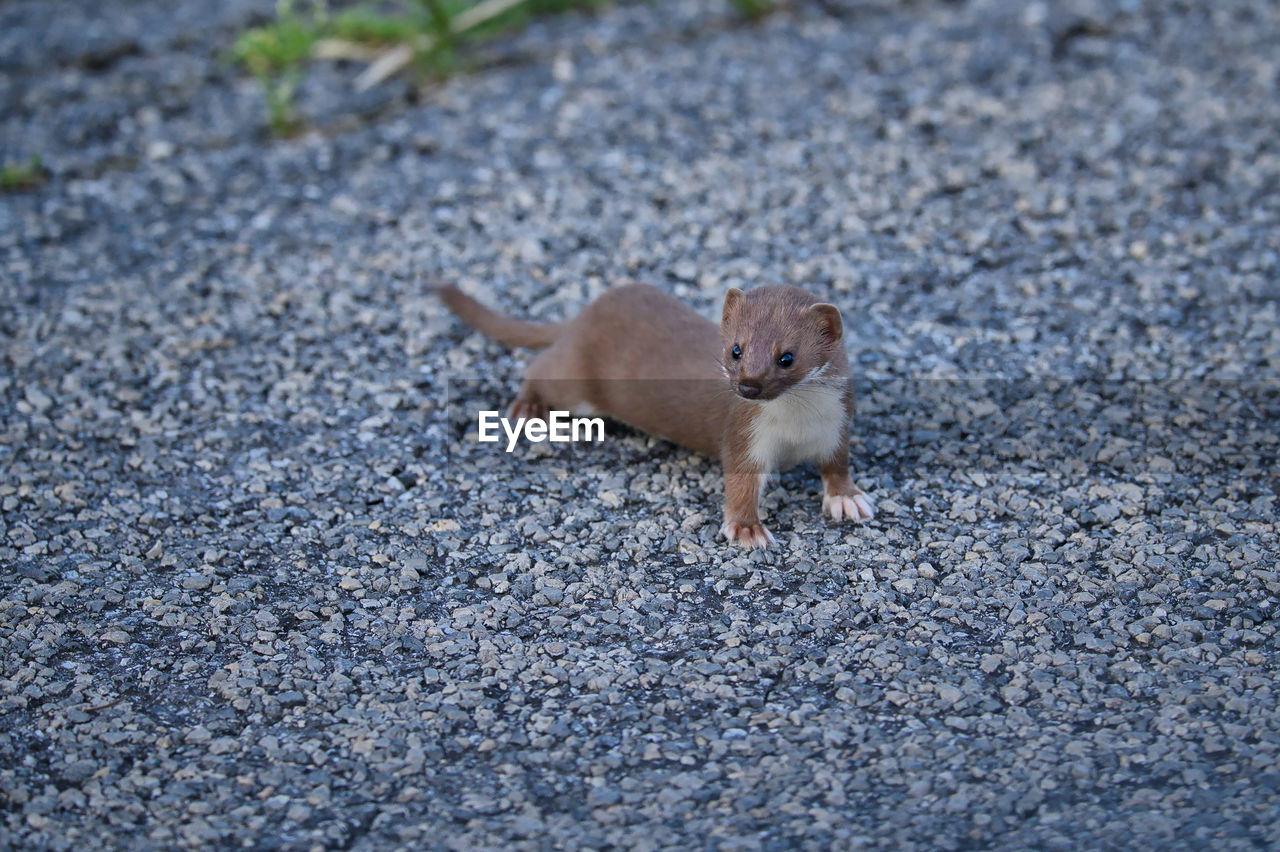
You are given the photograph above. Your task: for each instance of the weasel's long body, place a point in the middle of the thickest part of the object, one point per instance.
(766, 390)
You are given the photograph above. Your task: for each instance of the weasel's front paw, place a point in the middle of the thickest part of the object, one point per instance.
(747, 535)
(854, 507)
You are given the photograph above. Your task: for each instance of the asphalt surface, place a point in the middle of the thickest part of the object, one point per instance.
(262, 588)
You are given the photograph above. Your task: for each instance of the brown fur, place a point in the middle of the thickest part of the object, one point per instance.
(637, 355)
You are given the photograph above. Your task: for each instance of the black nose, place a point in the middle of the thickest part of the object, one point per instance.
(749, 390)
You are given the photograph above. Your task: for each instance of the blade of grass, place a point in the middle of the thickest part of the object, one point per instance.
(482, 12)
(341, 49)
(389, 63)
(396, 59)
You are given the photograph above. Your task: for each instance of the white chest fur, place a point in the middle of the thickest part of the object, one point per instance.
(804, 424)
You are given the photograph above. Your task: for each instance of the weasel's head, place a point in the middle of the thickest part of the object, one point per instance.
(776, 337)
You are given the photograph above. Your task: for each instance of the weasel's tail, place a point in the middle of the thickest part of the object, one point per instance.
(490, 323)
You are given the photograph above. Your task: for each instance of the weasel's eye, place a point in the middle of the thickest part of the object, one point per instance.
(786, 359)
(736, 352)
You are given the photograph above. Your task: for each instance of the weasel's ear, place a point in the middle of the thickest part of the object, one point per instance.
(830, 326)
(732, 305)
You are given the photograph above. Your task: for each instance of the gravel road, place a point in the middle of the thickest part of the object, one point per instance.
(261, 588)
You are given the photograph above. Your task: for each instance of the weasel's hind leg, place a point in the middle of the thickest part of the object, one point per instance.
(525, 408)
(546, 387)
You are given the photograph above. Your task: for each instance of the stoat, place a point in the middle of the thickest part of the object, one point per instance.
(768, 389)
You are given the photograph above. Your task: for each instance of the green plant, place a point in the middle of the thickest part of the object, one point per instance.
(274, 54)
(278, 46)
(282, 118)
(437, 54)
(16, 176)
(753, 9)
(454, 25)
(431, 35)
(376, 29)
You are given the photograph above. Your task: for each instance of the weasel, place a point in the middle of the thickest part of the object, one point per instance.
(768, 389)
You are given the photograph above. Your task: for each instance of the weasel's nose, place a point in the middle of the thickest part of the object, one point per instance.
(750, 390)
